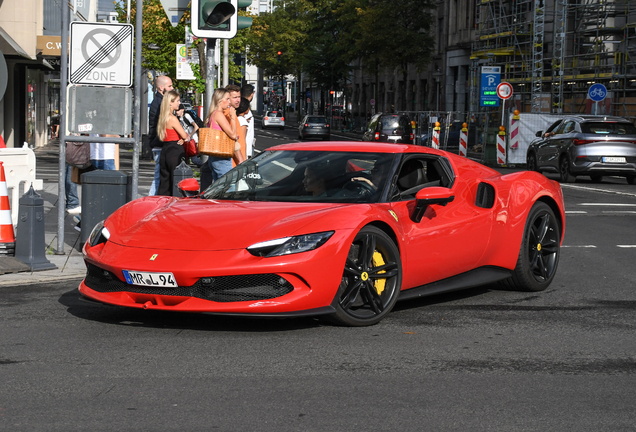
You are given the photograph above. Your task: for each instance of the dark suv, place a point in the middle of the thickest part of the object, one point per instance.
(394, 128)
(586, 145)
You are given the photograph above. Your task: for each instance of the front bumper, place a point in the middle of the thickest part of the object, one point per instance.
(226, 282)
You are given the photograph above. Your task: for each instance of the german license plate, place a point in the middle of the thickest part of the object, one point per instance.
(614, 159)
(163, 280)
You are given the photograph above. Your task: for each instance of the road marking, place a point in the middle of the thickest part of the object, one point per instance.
(575, 212)
(608, 204)
(578, 246)
(571, 186)
(626, 246)
(620, 212)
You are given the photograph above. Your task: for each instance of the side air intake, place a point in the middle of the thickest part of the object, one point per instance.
(485, 196)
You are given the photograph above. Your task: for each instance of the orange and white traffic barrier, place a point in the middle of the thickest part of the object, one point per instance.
(7, 238)
(514, 131)
(501, 146)
(463, 140)
(436, 129)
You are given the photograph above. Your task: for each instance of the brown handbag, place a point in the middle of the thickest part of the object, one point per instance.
(215, 142)
(78, 154)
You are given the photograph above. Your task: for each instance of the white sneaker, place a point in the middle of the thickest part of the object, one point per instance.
(74, 211)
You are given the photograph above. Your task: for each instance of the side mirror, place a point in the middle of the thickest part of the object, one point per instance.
(189, 187)
(430, 196)
(539, 134)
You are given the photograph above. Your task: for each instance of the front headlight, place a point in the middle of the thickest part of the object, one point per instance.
(100, 234)
(290, 245)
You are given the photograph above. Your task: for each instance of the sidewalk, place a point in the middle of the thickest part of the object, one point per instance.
(70, 264)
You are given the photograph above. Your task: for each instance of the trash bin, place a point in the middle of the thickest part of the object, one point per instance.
(103, 192)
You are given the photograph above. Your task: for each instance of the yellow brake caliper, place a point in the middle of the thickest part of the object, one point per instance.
(377, 262)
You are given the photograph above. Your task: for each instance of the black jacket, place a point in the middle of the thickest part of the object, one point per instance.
(153, 119)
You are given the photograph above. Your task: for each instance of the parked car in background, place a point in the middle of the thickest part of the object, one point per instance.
(384, 127)
(273, 119)
(314, 126)
(596, 146)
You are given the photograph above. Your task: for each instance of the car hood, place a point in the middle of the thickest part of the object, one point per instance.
(197, 224)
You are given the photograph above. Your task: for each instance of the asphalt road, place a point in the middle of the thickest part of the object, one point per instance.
(484, 359)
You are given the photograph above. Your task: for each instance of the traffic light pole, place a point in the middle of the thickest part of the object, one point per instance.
(210, 74)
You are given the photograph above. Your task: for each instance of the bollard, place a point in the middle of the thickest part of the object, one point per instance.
(181, 172)
(30, 247)
(103, 192)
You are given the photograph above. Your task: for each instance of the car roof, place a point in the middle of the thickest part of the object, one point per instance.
(596, 118)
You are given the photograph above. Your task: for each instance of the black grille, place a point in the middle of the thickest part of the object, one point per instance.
(219, 289)
(485, 196)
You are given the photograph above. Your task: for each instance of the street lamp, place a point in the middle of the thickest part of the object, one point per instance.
(437, 75)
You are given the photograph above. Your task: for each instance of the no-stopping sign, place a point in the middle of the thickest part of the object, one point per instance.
(101, 54)
(504, 90)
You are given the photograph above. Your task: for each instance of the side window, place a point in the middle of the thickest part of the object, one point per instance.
(569, 127)
(373, 123)
(417, 173)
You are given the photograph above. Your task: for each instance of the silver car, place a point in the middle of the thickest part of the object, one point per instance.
(273, 119)
(595, 146)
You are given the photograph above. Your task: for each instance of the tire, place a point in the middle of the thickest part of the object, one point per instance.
(532, 162)
(564, 170)
(596, 178)
(631, 179)
(358, 302)
(540, 250)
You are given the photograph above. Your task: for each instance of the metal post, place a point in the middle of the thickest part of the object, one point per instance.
(210, 74)
(61, 182)
(137, 109)
(226, 54)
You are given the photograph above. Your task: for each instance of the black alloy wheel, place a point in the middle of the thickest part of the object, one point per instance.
(540, 250)
(371, 280)
(564, 170)
(532, 162)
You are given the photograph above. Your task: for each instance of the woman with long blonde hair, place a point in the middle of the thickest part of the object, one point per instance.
(216, 119)
(170, 131)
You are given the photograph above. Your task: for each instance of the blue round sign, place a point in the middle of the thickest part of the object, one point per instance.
(597, 92)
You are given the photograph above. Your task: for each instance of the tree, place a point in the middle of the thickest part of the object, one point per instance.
(159, 40)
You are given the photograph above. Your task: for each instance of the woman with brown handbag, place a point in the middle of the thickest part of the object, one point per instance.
(217, 120)
(171, 132)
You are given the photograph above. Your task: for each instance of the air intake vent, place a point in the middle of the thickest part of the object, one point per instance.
(485, 196)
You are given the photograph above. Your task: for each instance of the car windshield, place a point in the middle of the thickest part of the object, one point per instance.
(607, 128)
(316, 120)
(306, 176)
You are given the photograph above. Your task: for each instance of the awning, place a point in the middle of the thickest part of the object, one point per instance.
(9, 47)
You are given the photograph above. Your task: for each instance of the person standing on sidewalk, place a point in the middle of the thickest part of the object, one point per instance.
(247, 91)
(164, 84)
(217, 119)
(105, 156)
(235, 101)
(170, 131)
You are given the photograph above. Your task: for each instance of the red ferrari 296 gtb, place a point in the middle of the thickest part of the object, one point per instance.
(338, 229)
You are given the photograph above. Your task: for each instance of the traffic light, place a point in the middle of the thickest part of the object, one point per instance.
(218, 18)
(279, 56)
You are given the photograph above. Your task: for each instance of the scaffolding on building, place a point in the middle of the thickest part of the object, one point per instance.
(552, 51)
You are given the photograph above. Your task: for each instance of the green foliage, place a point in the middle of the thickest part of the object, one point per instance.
(323, 37)
(159, 40)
